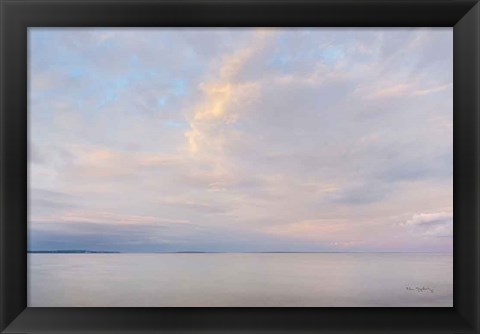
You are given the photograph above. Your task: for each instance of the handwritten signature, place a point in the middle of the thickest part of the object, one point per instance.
(420, 289)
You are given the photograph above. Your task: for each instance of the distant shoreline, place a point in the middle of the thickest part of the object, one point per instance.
(201, 252)
(71, 252)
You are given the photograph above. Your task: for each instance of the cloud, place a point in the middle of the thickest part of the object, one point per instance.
(109, 218)
(436, 224)
(320, 229)
(34, 155)
(388, 90)
(223, 94)
(240, 139)
(193, 205)
(362, 194)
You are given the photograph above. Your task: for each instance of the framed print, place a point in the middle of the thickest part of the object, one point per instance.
(264, 159)
(239, 166)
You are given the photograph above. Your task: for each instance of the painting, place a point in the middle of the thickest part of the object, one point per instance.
(240, 167)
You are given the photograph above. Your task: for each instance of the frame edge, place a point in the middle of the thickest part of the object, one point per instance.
(466, 165)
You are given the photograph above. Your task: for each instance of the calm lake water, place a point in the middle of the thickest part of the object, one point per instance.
(321, 279)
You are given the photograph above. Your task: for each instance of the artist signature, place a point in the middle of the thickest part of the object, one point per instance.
(422, 289)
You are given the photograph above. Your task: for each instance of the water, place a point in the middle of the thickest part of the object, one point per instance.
(322, 280)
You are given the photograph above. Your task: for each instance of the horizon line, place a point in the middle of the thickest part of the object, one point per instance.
(225, 252)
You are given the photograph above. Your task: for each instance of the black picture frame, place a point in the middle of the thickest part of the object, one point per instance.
(17, 15)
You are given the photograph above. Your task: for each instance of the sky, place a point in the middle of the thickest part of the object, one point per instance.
(240, 139)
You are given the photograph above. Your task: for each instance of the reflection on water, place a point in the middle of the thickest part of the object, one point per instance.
(321, 279)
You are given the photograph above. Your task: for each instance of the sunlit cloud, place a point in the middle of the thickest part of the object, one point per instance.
(435, 224)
